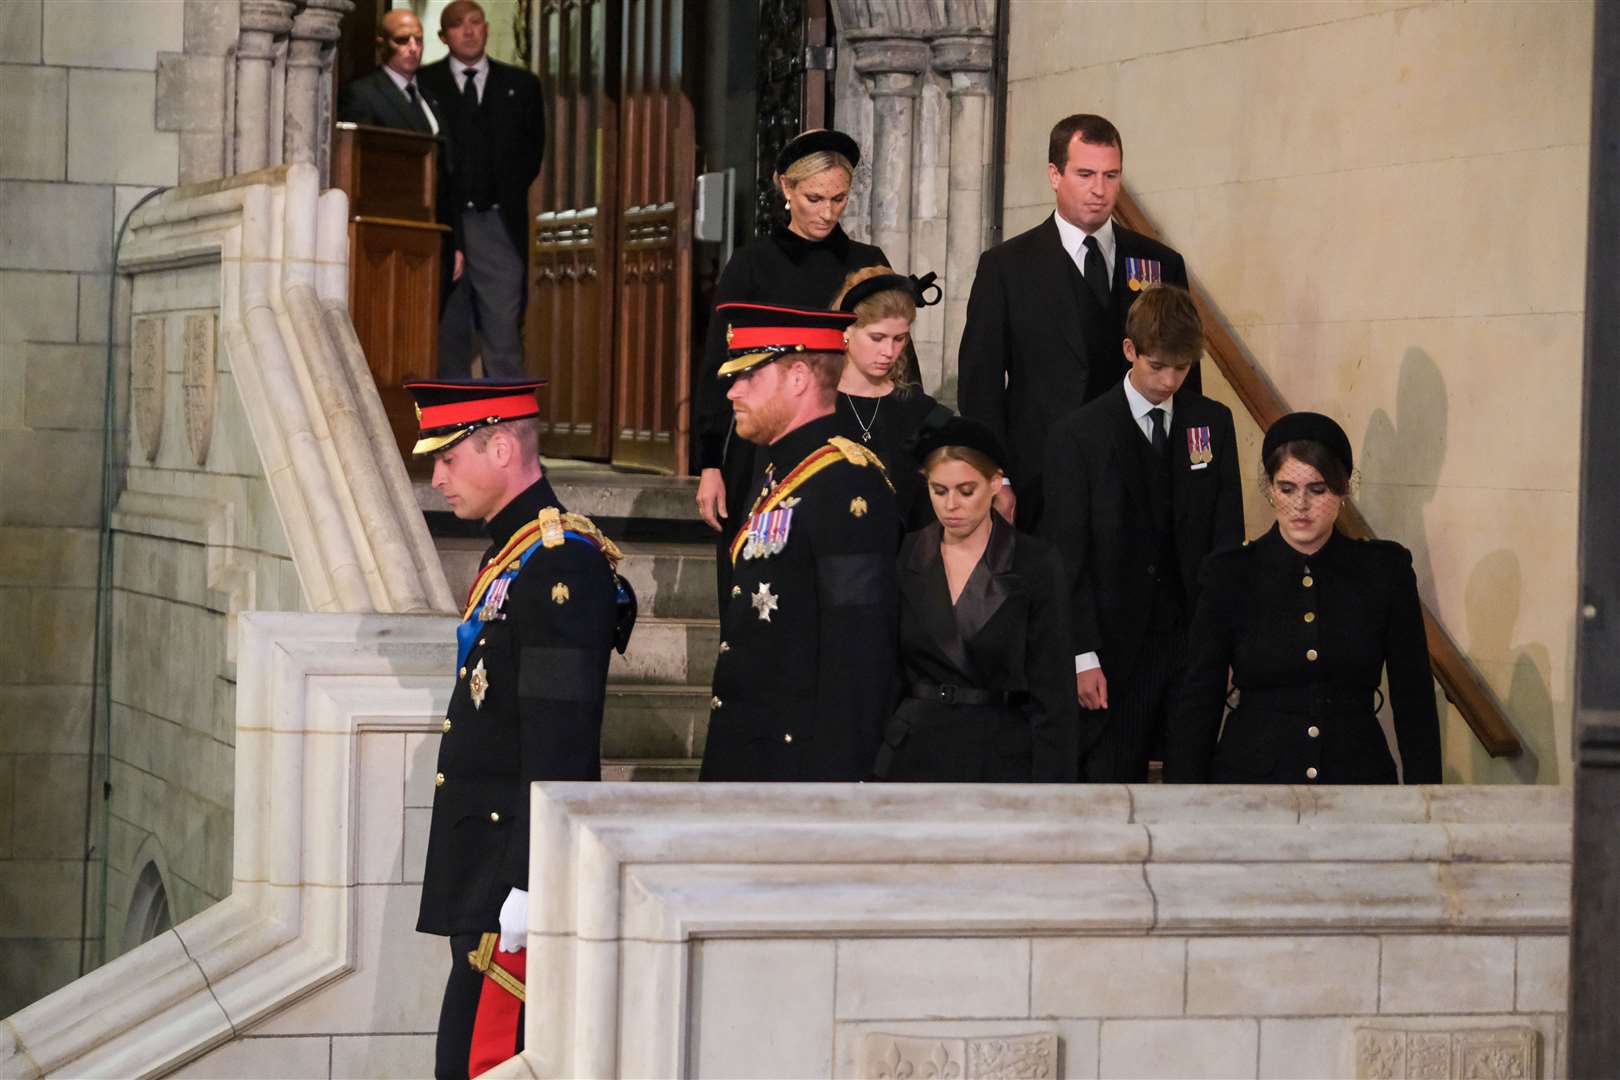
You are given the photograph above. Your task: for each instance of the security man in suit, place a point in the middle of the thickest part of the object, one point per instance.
(531, 669)
(391, 96)
(1141, 484)
(805, 678)
(495, 118)
(1046, 316)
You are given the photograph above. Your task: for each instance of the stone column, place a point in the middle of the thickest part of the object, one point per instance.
(306, 128)
(966, 60)
(262, 22)
(891, 67)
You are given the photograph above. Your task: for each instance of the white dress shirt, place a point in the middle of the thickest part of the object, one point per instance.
(421, 102)
(1074, 242)
(480, 77)
(1140, 407)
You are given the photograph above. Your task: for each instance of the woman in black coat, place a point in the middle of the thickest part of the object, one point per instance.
(801, 264)
(986, 671)
(879, 401)
(1306, 619)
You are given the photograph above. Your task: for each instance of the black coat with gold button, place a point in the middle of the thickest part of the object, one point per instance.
(1305, 638)
(805, 677)
(544, 669)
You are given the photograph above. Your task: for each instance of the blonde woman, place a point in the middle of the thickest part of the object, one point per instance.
(879, 401)
(800, 264)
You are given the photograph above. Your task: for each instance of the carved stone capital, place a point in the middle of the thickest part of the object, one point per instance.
(963, 52)
(320, 20)
(267, 16)
(891, 64)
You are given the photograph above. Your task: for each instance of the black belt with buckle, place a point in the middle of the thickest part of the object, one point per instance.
(951, 694)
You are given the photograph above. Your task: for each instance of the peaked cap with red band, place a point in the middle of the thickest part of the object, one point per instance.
(757, 333)
(448, 410)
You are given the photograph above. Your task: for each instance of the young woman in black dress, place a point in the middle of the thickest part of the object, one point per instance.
(1306, 619)
(987, 671)
(801, 264)
(879, 401)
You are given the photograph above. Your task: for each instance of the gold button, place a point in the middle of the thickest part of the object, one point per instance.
(1310, 616)
(787, 738)
(715, 703)
(1310, 773)
(480, 641)
(725, 646)
(1306, 581)
(462, 674)
(1310, 654)
(495, 817)
(438, 779)
(736, 590)
(447, 723)
(1313, 731)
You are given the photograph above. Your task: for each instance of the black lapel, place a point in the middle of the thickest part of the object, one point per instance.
(924, 579)
(1123, 248)
(1057, 275)
(1131, 449)
(1181, 460)
(398, 103)
(986, 592)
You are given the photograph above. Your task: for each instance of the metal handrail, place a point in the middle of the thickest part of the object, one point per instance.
(1463, 686)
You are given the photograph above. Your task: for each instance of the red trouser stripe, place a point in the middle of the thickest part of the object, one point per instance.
(496, 1034)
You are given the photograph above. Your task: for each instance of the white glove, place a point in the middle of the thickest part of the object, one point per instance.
(515, 921)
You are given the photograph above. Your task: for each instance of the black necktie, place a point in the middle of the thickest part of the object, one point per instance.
(1096, 271)
(1161, 437)
(469, 91)
(417, 119)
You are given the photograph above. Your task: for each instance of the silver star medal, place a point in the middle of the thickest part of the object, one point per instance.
(764, 601)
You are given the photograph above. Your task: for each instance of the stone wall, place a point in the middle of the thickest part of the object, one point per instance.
(1388, 204)
(81, 139)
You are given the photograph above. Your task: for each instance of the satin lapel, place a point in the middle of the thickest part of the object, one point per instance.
(1055, 276)
(986, 592)
(923, 578)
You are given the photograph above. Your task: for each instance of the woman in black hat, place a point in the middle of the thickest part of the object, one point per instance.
(801, 264)
(987, 668)
(879, 401)
(1307, 620)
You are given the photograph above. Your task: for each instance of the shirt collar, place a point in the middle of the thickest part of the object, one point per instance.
(1140, 405)
(399, 80)
(1074, 238)
(461, 69)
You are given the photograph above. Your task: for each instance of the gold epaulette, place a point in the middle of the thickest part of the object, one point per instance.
(857, 454)
(555, 524)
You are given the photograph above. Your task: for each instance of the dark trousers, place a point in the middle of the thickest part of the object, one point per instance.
(487, 302)
(1134, 729)
(459, 1012)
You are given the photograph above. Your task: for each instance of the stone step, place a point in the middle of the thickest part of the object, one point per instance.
(672, 581)
(668, 652)
(664, 770)
(627, 506)
(655, 721)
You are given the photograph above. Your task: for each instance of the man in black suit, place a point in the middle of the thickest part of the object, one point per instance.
(495, 118)
(1047, 312)
(391, 96)
(1140, 485)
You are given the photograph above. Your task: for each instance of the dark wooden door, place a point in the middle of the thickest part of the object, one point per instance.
(610, 251)
(568, 330)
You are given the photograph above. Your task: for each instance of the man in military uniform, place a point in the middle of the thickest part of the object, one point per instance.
(531, 668)
(804, 681)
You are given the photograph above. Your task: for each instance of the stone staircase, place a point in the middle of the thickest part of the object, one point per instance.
(657, 695)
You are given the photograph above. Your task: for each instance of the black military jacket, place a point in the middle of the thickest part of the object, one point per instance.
(1306, 638)
(805, 677)
(540, 669)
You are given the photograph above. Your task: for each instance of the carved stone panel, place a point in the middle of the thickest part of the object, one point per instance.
(1032, 1056)
(1504, 1053)
(146, 382)
(198, 383)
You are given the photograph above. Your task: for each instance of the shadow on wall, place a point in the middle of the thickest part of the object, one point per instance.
(1405, 453)
(1492, 601)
